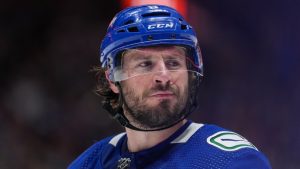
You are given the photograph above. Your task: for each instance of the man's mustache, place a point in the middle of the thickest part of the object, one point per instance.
(161, 88)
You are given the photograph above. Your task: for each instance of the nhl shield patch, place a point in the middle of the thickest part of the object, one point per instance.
(229, 141)
(124, 163)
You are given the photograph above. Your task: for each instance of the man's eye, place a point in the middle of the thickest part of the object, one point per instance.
(145, 64)
(171, 64)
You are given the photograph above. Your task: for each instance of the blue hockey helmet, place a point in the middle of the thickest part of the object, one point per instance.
(147, 25)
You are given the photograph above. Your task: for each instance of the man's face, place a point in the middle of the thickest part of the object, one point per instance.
(156, 90)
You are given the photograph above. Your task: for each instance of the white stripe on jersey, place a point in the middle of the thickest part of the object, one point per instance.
(114, 141)
(188, 133)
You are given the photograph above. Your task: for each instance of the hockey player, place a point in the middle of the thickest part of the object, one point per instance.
(151, 68)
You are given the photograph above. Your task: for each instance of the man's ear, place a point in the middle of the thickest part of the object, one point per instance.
(112, 85)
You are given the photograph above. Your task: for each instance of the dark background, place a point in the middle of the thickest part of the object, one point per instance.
(49, 113)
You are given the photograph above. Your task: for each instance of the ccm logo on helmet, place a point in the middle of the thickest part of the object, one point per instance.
(160, 25)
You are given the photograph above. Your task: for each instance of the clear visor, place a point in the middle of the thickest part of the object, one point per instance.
(170, 61)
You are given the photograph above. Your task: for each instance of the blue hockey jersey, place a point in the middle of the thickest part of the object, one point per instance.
(193, 146)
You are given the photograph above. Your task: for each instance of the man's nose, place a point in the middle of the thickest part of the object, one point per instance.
(163, 75)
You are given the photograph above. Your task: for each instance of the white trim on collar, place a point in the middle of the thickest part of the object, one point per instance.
(114, 141)
(188, 133)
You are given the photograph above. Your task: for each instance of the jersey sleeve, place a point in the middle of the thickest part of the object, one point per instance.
(250, 160)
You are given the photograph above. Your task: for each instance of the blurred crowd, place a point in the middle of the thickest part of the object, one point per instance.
(49, 112)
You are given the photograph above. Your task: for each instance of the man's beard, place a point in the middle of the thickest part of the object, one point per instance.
(165, 113)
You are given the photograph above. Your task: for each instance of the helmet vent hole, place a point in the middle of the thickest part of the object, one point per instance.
(184, 27)
(133, 29)
(156, 14)
(128, 22)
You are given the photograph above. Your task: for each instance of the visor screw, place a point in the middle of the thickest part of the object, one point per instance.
(150, 37)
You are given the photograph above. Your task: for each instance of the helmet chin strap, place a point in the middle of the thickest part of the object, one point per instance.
(118, 112)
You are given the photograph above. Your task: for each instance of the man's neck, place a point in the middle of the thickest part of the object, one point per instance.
(140, 140)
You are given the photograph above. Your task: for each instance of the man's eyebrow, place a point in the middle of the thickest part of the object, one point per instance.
(137, 57)
(175, 56)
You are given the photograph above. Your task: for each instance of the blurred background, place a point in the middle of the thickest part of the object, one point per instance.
(49, 113)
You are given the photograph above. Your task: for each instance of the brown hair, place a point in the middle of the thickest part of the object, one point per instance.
(102, 87)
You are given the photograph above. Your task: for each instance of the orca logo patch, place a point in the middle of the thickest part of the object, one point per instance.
(229, 141)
